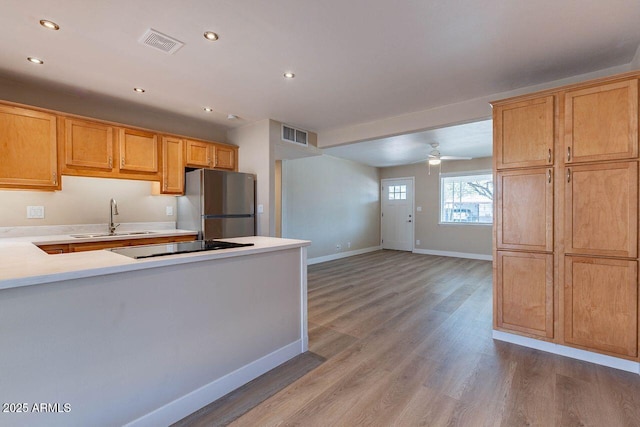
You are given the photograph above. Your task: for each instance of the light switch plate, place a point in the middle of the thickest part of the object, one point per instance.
(419, 209)
(169, 210)
(35, 212)
(260, 208)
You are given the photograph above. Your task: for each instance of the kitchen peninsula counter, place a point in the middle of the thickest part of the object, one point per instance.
(121, 341)
(24, 264)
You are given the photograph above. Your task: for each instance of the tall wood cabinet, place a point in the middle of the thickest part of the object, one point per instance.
(581, 229)
(524, 137)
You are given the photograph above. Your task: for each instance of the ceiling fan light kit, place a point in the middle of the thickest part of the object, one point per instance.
(435, 158)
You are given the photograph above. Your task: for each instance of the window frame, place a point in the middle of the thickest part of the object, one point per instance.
(462, 175)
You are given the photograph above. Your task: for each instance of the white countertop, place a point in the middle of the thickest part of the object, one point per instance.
(22, 263)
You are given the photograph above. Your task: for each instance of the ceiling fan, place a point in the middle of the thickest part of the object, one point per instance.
(435, 157)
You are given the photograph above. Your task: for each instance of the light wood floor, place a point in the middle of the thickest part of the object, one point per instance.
(405, 340)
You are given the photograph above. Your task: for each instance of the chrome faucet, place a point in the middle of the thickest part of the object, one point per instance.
(113, 210)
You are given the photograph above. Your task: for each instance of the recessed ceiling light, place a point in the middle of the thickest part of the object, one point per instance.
(139, 89)
(210, 35)
(289, 75)
(35, 60)
(208, 109)
(232, 117)
(49, 24)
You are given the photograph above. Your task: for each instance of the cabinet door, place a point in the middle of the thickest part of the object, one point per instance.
(198, 154)
(601, 304)
(601, 123)
(225, 157)
(601, 214)
(525, 210)
(28, 149)
(138, 151)
(524, 299)
(524, 133)
(88, 144)
(172, 166)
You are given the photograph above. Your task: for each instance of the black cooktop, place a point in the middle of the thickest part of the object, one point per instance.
(148, 251)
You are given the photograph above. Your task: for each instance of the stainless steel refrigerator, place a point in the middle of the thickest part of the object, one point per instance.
(218, 204)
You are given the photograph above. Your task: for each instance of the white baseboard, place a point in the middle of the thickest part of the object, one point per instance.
(340, 255)
(454, 254)
(191, 402)
(574, 353)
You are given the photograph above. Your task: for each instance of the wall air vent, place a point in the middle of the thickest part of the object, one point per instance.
(160, 41)
(294, 135)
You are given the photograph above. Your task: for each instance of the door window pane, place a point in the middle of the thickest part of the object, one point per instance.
(397, 192)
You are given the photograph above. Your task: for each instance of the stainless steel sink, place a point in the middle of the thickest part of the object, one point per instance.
(133, 233)
(124, 233)
(81, 236)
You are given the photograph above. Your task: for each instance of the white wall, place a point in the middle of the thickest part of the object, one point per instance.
(462, 112)
(469, 239)
(88, 104)
(255, 156)
(85, 200)
(331, 201)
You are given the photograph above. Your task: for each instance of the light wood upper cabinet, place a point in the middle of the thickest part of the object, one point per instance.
(601, 122)
(525, 210)
(601, 213)
(524, 297)
(601, 304)
(138, 151)
(524, 133)
(225, 157)
(172, 166)
(28, 149)
(199, 154)
(88, 144)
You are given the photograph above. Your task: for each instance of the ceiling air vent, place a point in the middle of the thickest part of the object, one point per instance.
(294, 135)
(160, 41)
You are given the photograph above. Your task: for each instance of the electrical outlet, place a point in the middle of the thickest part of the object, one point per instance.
(348, 245)
(417, 242)
(169, 210)
(338, 247)
(35, 212)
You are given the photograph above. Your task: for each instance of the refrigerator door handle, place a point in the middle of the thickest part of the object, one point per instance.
(228, 216)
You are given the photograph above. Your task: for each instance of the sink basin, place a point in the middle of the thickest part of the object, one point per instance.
(124, 233)
(81, 236)
(133, 233)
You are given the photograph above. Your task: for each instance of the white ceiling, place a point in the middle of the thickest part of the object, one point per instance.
(355, 61)
(466, 140)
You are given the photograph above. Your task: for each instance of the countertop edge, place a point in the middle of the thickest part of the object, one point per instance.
(126, 264)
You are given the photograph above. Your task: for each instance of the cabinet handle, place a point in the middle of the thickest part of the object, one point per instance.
(568, 154)
(122, 162)
(110, 162)
(549, 156)
(549, 175)
(568, 175)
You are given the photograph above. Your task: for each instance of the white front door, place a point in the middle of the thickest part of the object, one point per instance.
(397, 214)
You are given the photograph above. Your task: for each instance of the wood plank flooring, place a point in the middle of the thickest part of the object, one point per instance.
(400, 339)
